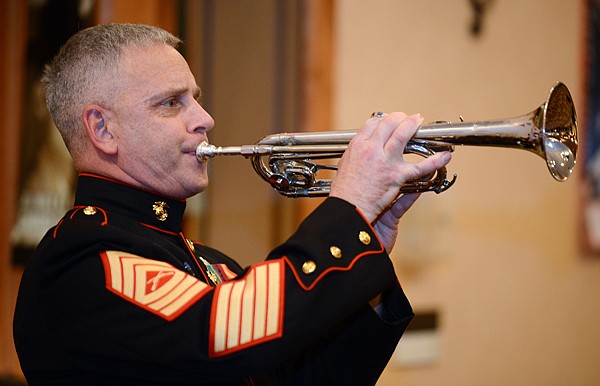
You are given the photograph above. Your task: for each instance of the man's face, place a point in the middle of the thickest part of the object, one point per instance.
(158, 122)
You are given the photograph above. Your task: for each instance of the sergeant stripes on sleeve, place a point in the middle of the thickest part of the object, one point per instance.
(248, 311)
(153, 285)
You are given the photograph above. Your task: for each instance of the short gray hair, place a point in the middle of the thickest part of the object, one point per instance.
(76, 77)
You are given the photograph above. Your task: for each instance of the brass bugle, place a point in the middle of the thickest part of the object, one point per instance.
(286, 160)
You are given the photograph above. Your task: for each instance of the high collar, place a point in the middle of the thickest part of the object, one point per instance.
(140, 205)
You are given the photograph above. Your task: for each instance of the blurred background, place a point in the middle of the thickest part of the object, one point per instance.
(503, 269)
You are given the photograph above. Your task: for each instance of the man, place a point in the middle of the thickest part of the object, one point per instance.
(117, 295)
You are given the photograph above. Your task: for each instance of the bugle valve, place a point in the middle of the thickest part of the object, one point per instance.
(287, 160)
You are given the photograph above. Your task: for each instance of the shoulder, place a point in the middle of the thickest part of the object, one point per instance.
(85, 230)
(92, 222)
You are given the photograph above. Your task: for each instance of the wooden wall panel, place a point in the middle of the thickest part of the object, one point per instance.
(161, 13)
(13, 14)
(317, 74)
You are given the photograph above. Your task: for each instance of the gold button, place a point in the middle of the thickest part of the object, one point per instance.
(309, 267)
(335, 252)
(89, 211)
(364, 237)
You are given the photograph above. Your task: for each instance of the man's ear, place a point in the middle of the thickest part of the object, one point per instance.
(95, 122)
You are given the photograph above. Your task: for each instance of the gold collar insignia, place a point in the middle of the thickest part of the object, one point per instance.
(160, 210)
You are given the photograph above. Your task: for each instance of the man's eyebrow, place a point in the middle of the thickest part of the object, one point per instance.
(196, 93)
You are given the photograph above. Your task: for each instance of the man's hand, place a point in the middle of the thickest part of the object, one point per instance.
(372, 171)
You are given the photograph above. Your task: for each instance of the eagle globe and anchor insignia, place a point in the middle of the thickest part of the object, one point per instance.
(160, 210)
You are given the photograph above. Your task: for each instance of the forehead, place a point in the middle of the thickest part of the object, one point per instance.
(153, 68)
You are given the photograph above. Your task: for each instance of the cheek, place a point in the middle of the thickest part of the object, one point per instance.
(151, 144)
(154, 140)
(146, 152)
(161, 153)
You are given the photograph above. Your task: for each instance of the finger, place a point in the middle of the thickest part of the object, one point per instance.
(386, 127)
(402, 134)
(391, 215)
(366, 131)
(411, 171)
(403, 203)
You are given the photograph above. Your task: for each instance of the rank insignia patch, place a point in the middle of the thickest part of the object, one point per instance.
(153, 285)
(248, 311)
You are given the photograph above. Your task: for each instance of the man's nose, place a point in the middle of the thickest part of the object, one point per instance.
(203, 121)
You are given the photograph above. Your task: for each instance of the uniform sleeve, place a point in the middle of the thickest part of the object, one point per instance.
(308, 301)
(355, 353)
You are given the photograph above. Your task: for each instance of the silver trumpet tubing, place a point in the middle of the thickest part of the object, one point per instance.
(287, 160)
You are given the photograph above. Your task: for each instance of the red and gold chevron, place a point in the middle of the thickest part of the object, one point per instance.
(153, 285)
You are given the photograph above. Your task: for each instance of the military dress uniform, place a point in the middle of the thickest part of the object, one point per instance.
(116, 295)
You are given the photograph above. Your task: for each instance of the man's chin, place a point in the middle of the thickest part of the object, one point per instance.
(200, 187)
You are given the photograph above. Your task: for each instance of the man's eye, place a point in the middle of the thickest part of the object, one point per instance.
(170, 103)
